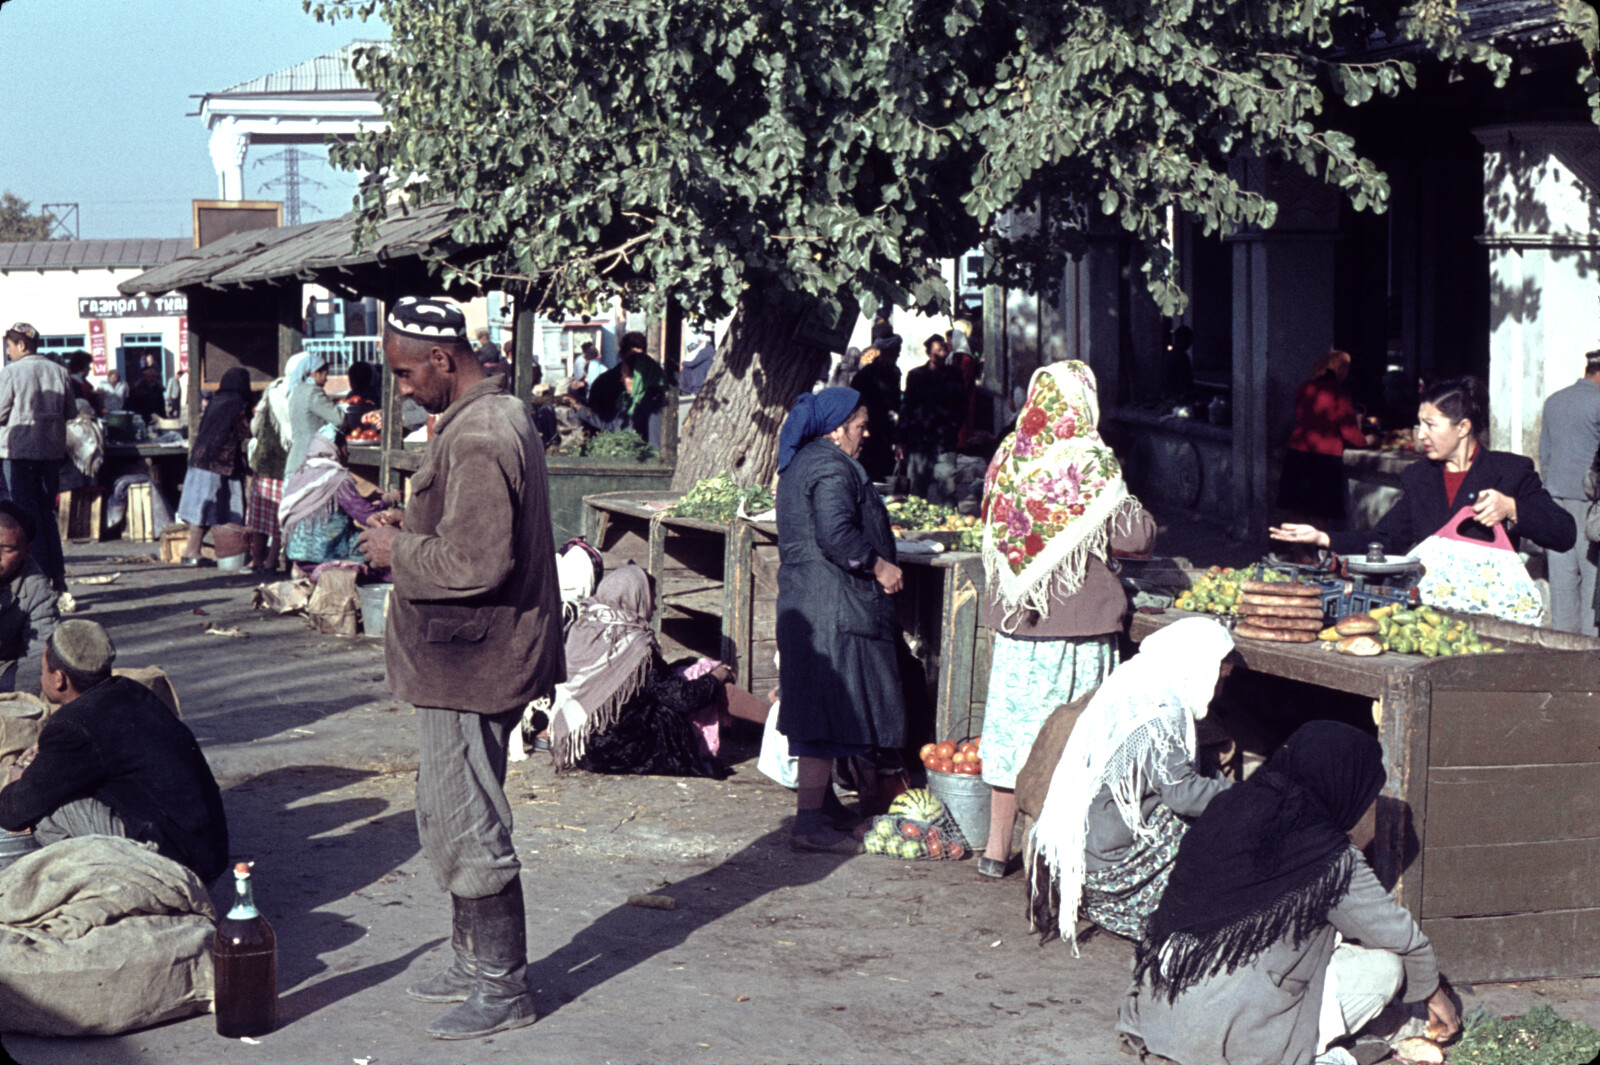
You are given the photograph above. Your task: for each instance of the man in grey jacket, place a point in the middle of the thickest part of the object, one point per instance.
(36, 402)
(474, 635)
(1569, 435)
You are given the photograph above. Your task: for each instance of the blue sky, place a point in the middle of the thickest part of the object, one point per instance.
(97, 94)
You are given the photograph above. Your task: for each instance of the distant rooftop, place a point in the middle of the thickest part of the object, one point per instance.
(329, 73)
(90, 254)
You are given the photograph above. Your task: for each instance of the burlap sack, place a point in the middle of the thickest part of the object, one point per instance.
(102, 935)
(155, 678)
(21, 719)
(335, 607)
(1033, 782)
(283, 597)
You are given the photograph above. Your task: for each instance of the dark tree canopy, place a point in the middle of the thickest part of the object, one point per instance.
(711, 148)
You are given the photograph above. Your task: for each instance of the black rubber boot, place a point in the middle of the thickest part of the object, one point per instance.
(456, 982)
(499, 951)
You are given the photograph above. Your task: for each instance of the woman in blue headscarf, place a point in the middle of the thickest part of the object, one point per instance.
(836, 627)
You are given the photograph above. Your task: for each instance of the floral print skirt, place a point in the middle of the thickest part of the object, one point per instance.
(1028, 680)
(1122, 898)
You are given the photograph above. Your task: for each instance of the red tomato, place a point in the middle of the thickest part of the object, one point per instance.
(968, 769)
(947, 749)
(911, 830)
(955, 852)
(959, 757)
(944, 765)
(927, 752)
(967, 748)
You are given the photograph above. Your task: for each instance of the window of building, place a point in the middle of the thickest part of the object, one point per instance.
(135, 349)
(58, 346)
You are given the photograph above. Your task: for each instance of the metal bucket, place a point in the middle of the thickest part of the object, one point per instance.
(16, 845)
(967, 797)
(374, 607)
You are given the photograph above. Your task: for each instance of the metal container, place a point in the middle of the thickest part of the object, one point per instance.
(967, 797)
(14, 845)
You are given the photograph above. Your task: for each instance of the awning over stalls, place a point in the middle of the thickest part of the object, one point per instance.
(392, 259)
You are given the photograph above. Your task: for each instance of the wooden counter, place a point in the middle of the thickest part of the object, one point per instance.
(1489, 828)
(720, 582)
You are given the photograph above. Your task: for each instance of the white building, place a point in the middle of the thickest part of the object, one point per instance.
(67, 289)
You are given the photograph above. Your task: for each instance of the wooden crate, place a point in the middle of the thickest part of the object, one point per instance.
(140, 524)
(78, 514)
(1487, 828)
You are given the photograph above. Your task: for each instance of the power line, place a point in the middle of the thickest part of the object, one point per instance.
(291, 181)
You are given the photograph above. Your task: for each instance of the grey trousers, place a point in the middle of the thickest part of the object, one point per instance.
(933, 477)
(463, 818)
(1572, 576)
(80, 817)
(1360, 982)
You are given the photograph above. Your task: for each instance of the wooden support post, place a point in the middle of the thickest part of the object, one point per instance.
(655, 564)
(958, 641)
(1405, 719)
(392, 433)
(738, 588)
(197, 359)
(525, 331)
(671, 360)
(291, 331)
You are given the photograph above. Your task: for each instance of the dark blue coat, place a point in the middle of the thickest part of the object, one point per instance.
(836, 624)
(1422, 508)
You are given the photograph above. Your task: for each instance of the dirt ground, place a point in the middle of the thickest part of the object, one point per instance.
(770, 956)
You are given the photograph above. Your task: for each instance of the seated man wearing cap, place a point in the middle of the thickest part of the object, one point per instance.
(114, 761)
(27, 603)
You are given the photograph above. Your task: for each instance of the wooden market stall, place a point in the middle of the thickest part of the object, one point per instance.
(1489, 828)
(724, 579)
(245, 299)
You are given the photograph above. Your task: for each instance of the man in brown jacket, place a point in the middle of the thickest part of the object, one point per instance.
(474, 634)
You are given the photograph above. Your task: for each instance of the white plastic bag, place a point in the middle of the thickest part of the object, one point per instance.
(776, 761)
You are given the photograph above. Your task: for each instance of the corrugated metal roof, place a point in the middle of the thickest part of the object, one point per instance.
(1521, 22)
(326, 73)
(88, 254)
(300, 251)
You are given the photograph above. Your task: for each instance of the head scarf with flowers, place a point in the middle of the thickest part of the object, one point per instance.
(1051, 493)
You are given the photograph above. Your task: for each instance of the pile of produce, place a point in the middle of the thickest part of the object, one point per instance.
(370, 430)
(718, 499)
(1422, 631)
(1216, 591)
(621, 445)
(1397, 440)
(1279, 611)
(917, 828)
(953, 757)
(915, 514)
(1539, 1037)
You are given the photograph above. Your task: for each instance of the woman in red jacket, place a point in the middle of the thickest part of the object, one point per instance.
(1324, 424)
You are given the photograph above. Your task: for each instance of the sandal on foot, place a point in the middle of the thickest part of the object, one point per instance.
(991, 868)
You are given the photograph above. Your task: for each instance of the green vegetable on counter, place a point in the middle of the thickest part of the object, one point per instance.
(621, 444)
(718, 498)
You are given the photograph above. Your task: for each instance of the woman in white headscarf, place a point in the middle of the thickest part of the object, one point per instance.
(310, 409)
(1127, 785)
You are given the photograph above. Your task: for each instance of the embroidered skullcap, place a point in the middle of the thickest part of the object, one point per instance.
(83, 646)
(428, 318)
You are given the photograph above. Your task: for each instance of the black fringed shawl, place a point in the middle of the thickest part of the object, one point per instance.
(1266, 861)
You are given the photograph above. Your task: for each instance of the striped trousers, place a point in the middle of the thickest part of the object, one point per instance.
(463, 818)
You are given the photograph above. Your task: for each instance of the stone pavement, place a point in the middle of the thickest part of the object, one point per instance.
(770, 956)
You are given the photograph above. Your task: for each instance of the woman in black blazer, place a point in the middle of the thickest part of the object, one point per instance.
(1502, 488)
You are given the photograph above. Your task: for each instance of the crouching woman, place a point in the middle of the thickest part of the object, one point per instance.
(1251, 957)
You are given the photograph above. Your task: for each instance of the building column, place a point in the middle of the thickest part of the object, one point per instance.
(1541, 208)
(1283, 315)
(228, 146)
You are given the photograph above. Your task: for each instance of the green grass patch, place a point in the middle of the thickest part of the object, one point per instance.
(1538, 1037)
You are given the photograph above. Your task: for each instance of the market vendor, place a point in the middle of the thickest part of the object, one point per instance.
(113, 760)
(1501, 488)
(323, 510)
(1243, 962)
(27, 603)
(1127, 784)
(623, 709)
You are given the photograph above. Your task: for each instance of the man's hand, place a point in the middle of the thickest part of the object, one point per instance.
(723, 674)
(1442, 1012)
(392, 498)
(24, 760)
(393, 516)
(888, 575)
(377, 543)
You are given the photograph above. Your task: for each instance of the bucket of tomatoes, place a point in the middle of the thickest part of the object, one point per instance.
(955, 770)
(960, 757)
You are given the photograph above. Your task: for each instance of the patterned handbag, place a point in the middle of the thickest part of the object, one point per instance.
(1466, 574)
